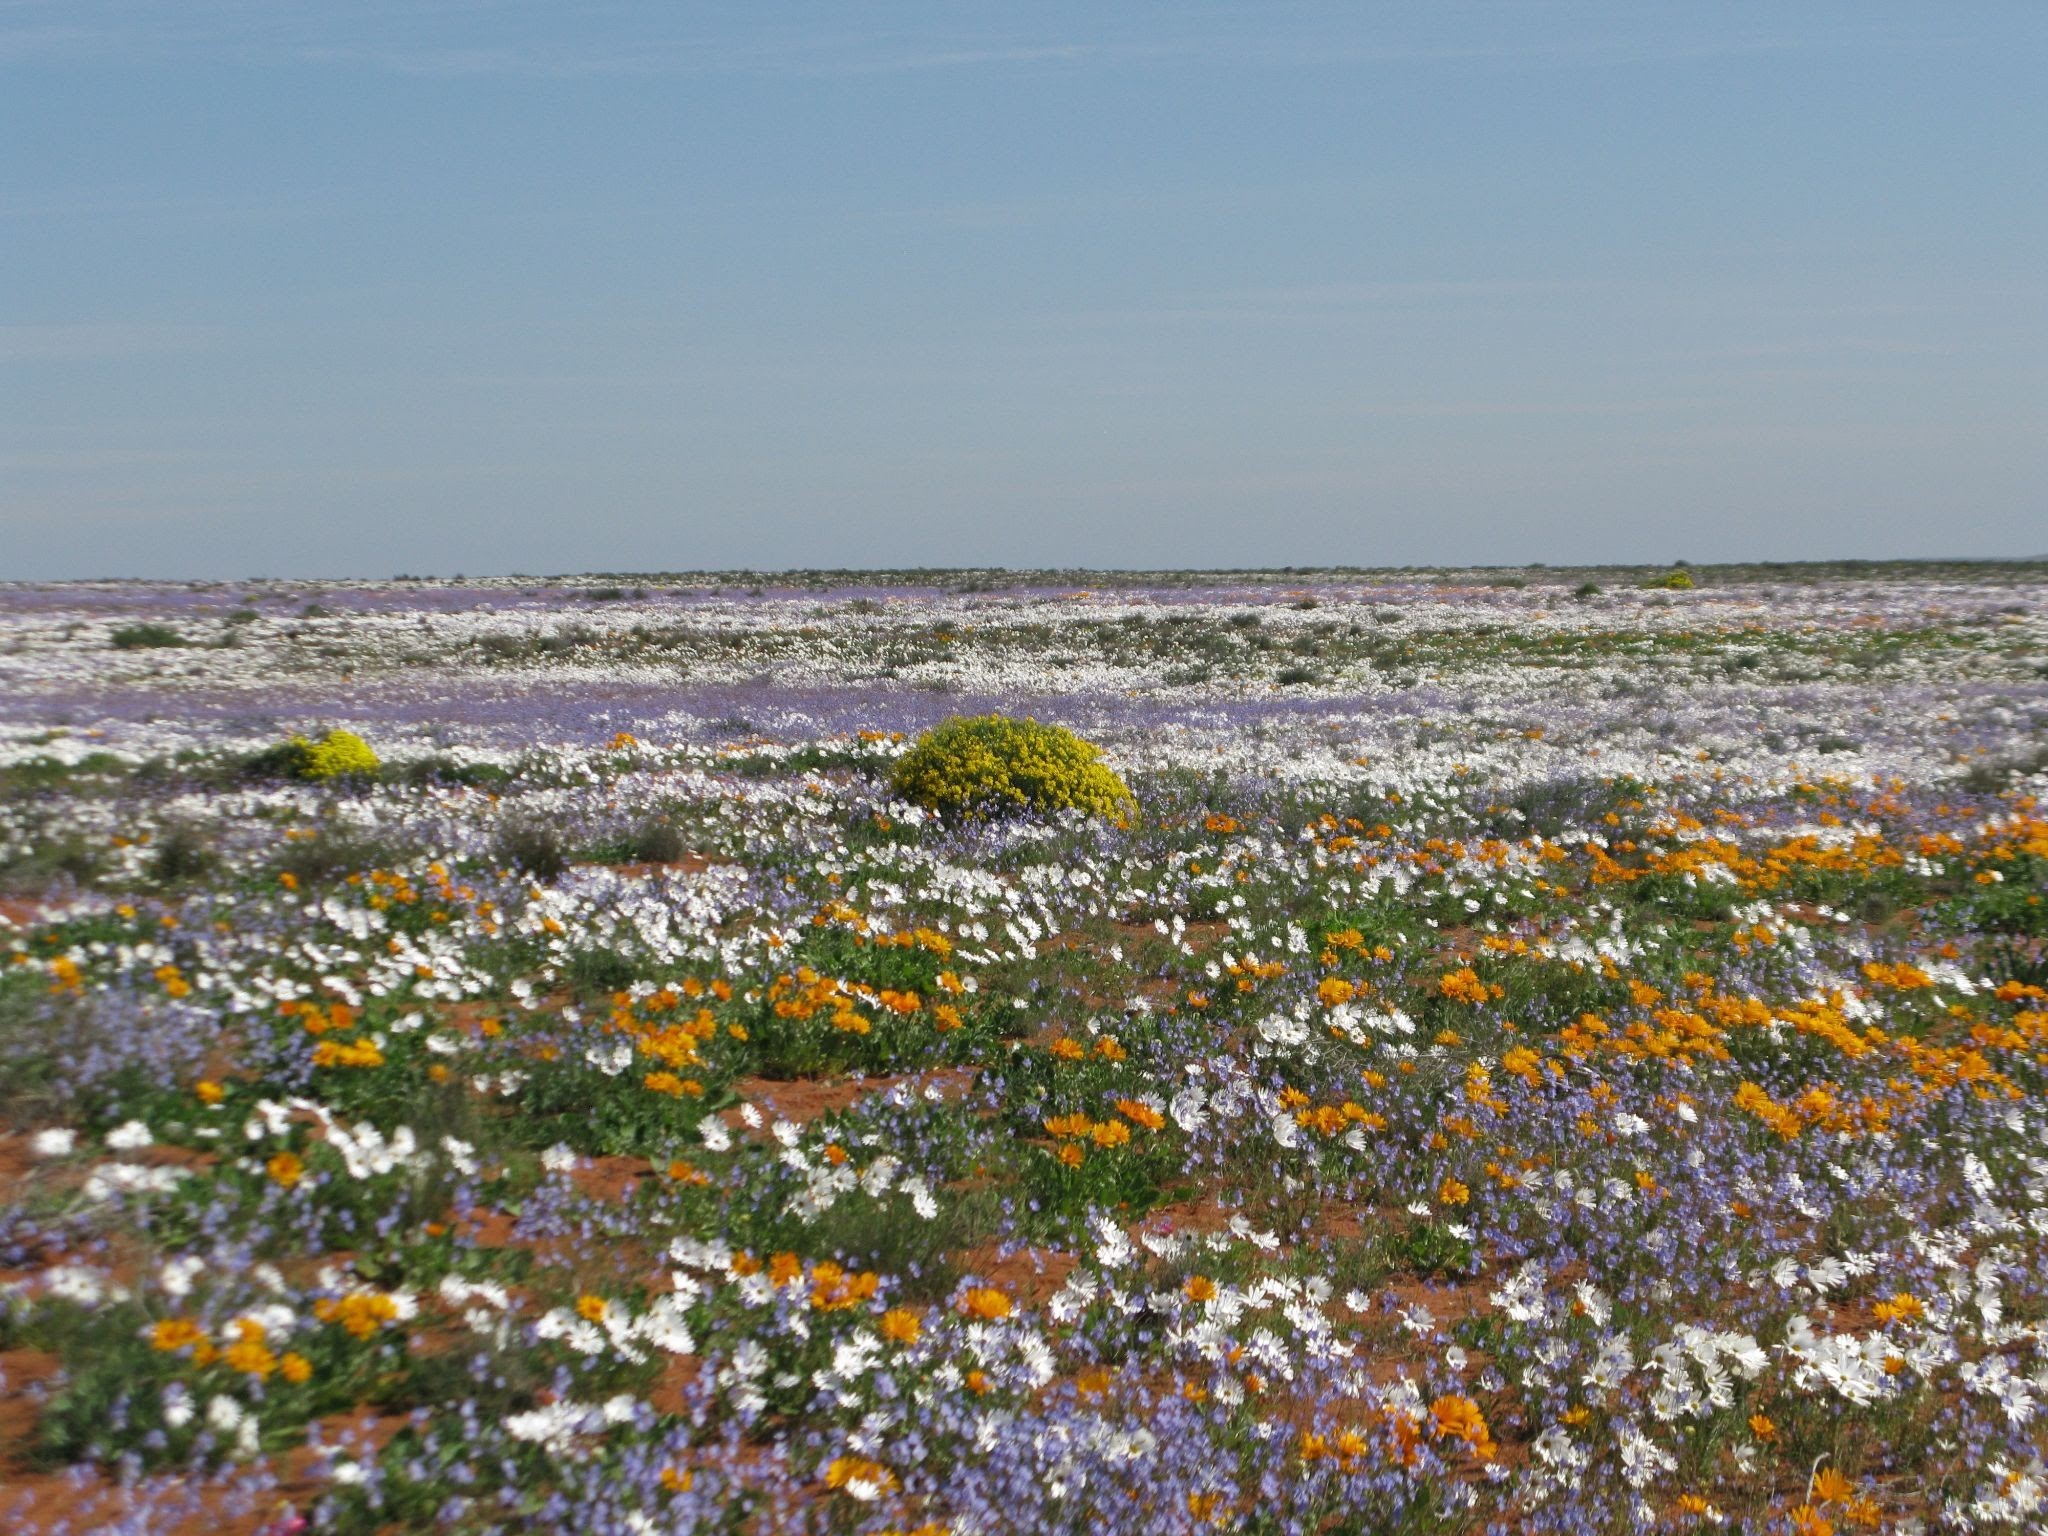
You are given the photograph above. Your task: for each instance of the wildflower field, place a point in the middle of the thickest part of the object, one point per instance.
(1552, 1052)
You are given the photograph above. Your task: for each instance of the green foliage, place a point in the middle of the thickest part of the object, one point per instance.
(994, 765)
(336, 852)
(659, 841)
(1671, 581)
(38, 1026)
(597, 972)
(146, 637)
(36, 775)
(113, 1398)
(56, 856)
(532, 847)
(421, 771)
(182, 853)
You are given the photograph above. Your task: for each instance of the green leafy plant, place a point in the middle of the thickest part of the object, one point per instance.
(146, 637)
(532, 847)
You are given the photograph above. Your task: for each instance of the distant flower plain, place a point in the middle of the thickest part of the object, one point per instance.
(1536, 1052)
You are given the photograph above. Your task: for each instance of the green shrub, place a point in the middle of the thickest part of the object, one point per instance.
(48, 857)
(993, 765)
(182, 853)
(1671, 581)
(336, 852)
(424, 771)
(146, 637)
(532, 847)
(658, 842)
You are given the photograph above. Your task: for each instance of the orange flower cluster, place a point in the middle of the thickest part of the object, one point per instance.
(1464, 986)
(836, 1289)
(986, 1303)
(250, 1353)
(659, 1031)
(804, 994)
(1453, 1417)
(175, 1333)
(1066, 1048)
(1333, 1119)
(675, 1087)
(361, 1053)
(846, 1470)
(1900, 977)
(1106, 1133)
(1346, 1448)
(362, 1313)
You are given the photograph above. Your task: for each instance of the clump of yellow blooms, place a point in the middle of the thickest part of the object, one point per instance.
(250, 1353)
(858, 1475)
(337, 753)
(362, 1313)
(835, 1289)
(178, 1333)
(675, 1087)
(1458, 1418)
(347, 1053)
(1464, 986)
(995, 765)
(331, 757)
(986, 1304)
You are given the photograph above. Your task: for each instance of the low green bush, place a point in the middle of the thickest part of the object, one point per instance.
(146, 637)
(182, 853)
(532, 847)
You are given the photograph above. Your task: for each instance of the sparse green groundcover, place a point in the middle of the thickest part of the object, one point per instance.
(1407, 1052)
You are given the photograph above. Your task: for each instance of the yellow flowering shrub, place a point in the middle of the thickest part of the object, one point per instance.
(337, 753)
(332, 756)
(993, 765)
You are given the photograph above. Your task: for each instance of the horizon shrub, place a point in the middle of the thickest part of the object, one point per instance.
(146, 637)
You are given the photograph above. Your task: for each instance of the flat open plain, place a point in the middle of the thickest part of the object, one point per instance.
(1539, 1052)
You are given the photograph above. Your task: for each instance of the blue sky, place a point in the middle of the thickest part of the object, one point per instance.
(503, 285)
